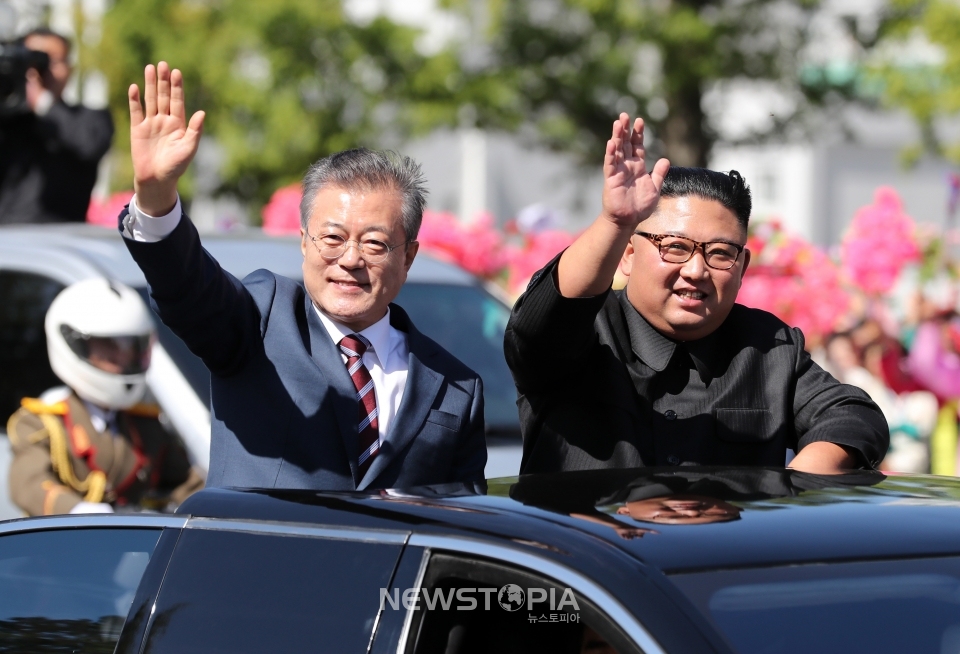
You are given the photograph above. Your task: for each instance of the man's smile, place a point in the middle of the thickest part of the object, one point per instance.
(690, 294)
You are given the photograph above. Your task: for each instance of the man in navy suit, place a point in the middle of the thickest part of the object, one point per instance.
(324, 384)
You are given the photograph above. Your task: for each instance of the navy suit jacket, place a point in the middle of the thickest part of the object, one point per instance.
(283, 409)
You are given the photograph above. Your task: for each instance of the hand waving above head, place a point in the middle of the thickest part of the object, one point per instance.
(630, 193)
(162, 143)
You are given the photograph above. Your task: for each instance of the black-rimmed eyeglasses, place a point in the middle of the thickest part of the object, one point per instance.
(719, 255)
(333, 246)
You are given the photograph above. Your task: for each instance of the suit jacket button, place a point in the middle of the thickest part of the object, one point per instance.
(670, 414)
(673, 460)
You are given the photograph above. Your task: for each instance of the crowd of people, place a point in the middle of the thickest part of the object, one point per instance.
(880, 314)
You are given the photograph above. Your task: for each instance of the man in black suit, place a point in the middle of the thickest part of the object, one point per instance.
(323, 384)
(670, 371)
(49, 150)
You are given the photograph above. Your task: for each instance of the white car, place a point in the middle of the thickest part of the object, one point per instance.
(37, 261)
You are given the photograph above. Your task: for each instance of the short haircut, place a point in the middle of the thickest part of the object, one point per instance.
(45, 31)
(729, 189)
(368, 170)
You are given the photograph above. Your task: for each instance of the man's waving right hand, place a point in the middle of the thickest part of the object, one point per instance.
(162, 143)
(630, 194)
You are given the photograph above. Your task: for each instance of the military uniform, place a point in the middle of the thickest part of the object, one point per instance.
(60, 458)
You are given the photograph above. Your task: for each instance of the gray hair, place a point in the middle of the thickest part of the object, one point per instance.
(366, 170)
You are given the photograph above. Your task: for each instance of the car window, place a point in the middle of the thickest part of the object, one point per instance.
(24, 367)
(245, 592)
(474, 606)
(877, 606)
(69, 590)
(469, 322)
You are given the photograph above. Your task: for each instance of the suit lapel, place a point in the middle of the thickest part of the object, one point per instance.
(342, 393)
(423, 384)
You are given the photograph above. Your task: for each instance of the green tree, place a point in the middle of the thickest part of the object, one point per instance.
(917, 67)
(569, 66)
(283, 82)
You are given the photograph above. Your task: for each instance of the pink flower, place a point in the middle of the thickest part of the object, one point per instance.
(477, 246)
(107, 212)
(793, 280)
(281, 215)
(880, 241)
(538, 249)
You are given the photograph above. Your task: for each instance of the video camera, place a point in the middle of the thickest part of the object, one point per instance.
(15, 61)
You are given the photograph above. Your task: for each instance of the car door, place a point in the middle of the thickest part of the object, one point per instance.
(248, 586)
(473, 597)
(70, 584)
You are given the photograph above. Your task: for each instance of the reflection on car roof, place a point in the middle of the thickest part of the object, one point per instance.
(784, 517)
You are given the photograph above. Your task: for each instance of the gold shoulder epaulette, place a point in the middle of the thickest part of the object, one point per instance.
(38, 407)
(144, 410)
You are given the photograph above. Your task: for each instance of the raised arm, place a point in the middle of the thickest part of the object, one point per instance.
(208, 308)
(162, 143)
(630, 194)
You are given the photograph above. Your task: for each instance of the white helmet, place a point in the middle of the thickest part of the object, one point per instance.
(108, 323)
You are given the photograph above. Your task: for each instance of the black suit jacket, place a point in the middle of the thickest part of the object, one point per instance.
(600, 388)
(283, 408)
(48, 164)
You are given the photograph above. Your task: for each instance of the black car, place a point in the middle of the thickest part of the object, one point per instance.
(680, 560)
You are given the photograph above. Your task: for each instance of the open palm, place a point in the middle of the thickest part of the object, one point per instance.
(162, 143)
(630, 193)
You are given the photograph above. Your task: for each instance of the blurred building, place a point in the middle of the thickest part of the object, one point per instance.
(815, 189)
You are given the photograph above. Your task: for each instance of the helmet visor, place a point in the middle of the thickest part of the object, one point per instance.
(119, 355)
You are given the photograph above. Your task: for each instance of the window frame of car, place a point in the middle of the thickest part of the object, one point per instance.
(420, 553)
(170, 528)
(392, 631)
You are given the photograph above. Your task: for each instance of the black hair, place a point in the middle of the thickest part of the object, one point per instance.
(729, 189)
(46, 31)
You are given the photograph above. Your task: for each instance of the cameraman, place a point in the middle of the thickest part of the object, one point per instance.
(49, 150)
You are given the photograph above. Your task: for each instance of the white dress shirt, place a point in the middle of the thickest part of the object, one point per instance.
(386, 358)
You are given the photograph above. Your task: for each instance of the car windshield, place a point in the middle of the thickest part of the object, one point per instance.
(876, 606)
(467, 321)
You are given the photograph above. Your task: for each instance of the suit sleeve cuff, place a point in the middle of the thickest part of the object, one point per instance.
(145, 228)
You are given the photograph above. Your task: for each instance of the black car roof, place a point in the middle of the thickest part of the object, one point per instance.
(778, 516)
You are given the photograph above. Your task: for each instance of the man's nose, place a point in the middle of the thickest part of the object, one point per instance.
(696, 265)
(351, 257)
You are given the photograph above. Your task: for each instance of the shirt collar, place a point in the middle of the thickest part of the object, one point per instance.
(656, 350)
(378, 334)
(653, 348)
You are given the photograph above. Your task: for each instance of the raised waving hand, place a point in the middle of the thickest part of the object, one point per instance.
(630, 193)
(162, 142)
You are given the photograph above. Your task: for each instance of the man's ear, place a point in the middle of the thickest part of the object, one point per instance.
(303, 243)
(746, 263)
(626, 261)
(410, 253)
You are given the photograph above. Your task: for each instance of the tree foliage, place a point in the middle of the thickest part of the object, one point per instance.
(571, 65)
(283, 82)
(917, 63)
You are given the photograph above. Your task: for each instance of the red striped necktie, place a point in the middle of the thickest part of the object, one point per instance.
(354, 346)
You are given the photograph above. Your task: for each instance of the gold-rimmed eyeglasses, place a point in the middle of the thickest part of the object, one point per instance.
(333, 246)
(718, 255)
